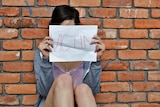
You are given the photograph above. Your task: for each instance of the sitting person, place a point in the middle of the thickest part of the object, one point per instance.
(66, 84)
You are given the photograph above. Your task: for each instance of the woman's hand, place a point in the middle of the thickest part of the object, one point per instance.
(100, 46)
(45, 46)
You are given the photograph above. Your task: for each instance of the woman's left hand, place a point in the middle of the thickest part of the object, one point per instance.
(100, 46)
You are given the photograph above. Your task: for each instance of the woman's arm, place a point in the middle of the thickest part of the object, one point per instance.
(43, 73)
(93, 77)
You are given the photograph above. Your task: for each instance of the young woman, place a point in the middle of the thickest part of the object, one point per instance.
(66, 84)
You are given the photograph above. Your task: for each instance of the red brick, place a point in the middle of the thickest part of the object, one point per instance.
(133, 13)
(116, 44)
(101, 33)
(29, 99)
(90, 21)
(34, 33)
(9, 11)
(114, 65)
(117, 3)
(18, 66)
(131, 97)
(141, 3)
(17, 3)
(27, 55)
(155, 33)
(82, 12)
(17, 44)
(29, 78)
(146, 23)
(136, 33)
(19, 106)
(131, 54)
(144, 65)
(52, 2)
(147, 3)
(37, 12)
(19, 22)
(107, 33)
(20, 89)
(131, 76)
(7, 33)
(87, 3)
(9, 78)
(9, 100)
(145, 105)
(146, 86)
(105, 98)
(117, 23)
(154, 97)
(108, 76)
(0, 88)
(9, 55)
(108, 55)
(144, 44)
(102, 12)
(154, 54)
(155, 13)
(114, 87)
(0, 22)
(115, 105)
(153, 75)
(43, 22)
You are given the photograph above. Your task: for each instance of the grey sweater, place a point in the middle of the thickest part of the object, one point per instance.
(44, 76)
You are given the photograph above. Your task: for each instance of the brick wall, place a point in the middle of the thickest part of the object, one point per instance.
(130, 30)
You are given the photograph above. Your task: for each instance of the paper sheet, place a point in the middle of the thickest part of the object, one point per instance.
(72, 43)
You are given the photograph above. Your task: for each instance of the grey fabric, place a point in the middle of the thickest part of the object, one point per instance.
(44, 76)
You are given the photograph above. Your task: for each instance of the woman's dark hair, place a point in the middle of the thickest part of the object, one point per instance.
(64, 12)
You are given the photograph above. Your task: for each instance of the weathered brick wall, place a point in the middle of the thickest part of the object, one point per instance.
(130, 30)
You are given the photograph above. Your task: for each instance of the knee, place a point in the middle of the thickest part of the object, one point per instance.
(83, 89)
(63, 81)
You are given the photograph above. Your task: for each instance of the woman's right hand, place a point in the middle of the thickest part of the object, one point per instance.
(45, 46)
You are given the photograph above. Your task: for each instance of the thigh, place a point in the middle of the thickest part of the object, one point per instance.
(50, 96)
(61, 92)
(84, 96)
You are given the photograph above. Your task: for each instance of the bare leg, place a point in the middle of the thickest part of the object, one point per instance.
(61, 93)
(84, 96)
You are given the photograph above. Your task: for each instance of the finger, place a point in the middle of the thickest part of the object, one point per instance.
(50, 43)
(44, 45)
(46, 39)
(98, 48)
(47, 48)
(96, 40)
